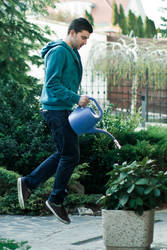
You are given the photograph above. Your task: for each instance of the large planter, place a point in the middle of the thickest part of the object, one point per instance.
(125, 230)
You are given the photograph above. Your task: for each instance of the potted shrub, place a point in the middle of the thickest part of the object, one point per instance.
(133, 192)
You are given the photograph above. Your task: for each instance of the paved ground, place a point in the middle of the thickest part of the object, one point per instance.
(84, 233)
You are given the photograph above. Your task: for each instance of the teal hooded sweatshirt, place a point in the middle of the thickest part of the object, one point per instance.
(63, 73)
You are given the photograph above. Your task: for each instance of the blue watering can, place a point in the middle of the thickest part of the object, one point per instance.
(84, 119)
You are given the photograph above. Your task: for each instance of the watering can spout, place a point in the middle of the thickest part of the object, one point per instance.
(98, 130)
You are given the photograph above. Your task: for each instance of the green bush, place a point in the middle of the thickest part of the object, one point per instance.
(25, 141)
(119, 124)
(74, 200)
(136, 145)
(36, 203)
(98, 155)
(8, 193)
(9, 200)
(12, 244)
(24, 137)
(102, 153)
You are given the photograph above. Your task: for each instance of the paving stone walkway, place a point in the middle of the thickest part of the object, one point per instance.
(84, 233)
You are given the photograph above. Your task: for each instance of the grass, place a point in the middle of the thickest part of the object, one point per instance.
(6, 244)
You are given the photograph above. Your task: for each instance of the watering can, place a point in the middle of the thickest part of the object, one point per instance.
(84, 119)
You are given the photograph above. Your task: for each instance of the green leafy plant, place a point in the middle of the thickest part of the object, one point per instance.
(80, 172)
(12, 244)
(121, 123)
(136, 186)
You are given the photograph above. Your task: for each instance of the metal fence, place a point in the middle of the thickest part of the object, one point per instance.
(150, 99)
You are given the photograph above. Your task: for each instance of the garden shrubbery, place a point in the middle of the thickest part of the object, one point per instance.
(36, 203)
(25, 141)
(24, 138)
(8, 195)
(20, 154)
(100, 153)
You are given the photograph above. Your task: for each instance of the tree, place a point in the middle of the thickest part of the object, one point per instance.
(89, 17)
(115, 14)
(131, 22)
(164, 20)
(122, 20)
(140, 27)
(19, 37)
(19, 96)
(153, 29)
(149, 28)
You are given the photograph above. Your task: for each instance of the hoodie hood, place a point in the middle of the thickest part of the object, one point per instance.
(49, 46)
(53, 44)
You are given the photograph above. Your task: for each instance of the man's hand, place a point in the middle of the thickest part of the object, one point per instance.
(83, 101)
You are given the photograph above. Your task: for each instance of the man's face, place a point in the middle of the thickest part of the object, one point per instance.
(79, 39)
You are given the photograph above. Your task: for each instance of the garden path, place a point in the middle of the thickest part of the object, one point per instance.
(84, 233)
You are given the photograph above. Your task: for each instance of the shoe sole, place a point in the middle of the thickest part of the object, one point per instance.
(20, 194)
(51, 209)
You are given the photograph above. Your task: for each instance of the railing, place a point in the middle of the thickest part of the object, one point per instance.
(151, 99)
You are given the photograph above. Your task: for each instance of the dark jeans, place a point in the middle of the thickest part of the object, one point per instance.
(62, 163)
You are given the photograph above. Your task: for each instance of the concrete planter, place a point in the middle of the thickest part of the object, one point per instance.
(125, 230)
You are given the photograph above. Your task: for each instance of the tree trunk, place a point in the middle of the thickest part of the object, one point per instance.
(134, 94)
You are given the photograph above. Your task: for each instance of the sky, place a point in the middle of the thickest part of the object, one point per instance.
(151, 8)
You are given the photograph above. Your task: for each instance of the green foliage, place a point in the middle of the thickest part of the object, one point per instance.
(132, 23)
(102, 153)
(24, 137)
(21, 122)
(155, 133)
(115, 14)
(136, 145)
(9, 200)
(36, 203)
(98, 156)
(12, 244)
(122, 21)
(149, 28)
(164, 20)
(119, 124)
(19, 37)
(140, 27)
(8, 192)
(74, 200)
(89, 17)
(136, 186)
(80, 172)
(125, 61)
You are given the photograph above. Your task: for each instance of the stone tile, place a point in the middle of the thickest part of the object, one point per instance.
(84, 233)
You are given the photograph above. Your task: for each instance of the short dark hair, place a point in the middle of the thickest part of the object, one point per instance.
(80, 24)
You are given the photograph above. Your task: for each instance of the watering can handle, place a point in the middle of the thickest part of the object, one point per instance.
(98, 106)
